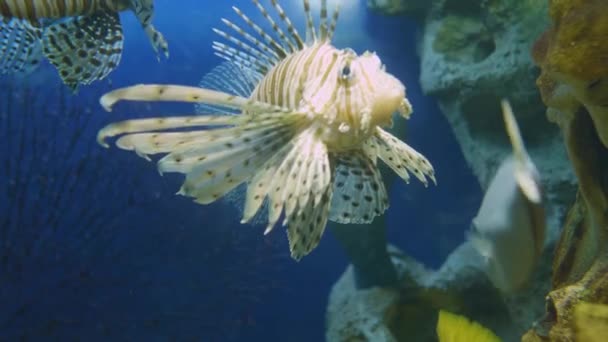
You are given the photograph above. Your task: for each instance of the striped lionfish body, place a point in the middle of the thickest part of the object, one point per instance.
(306, 137)
(83, 39)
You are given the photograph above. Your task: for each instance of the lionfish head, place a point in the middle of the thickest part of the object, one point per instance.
(362, 94)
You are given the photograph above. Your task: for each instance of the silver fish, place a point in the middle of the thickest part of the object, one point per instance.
(509, 229)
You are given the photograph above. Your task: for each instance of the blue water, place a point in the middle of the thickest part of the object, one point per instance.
(102, 249)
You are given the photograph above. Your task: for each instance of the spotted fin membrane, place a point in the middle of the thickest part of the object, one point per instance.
(19, 46)
(359, 192)
(84, 49)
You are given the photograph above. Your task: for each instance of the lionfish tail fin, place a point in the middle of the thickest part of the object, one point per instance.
(359, 192)
(84, 49)
(402, 158)
(20, 48)
(525, 171)
(296, 182)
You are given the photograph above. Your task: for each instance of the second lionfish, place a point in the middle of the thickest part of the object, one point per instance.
(306, 137)
(83, 39)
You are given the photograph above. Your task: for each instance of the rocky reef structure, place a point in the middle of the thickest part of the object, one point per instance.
(573, 56)
(473, 53)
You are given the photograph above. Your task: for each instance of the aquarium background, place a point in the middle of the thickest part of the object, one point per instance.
(95, 245)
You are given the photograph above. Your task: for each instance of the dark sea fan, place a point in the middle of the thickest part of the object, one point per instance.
(86, 253)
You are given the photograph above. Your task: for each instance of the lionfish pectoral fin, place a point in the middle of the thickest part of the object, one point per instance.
(525, 171)
(84, 49)
(402, 158)
(158, 41)
(20, 48)
(162, 92)
(144, 11)
(359, 192)
(297, 182)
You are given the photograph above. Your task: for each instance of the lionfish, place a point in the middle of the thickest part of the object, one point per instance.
(82, 38)
(306, 139)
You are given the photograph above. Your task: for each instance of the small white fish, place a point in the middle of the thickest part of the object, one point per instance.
(509, 229)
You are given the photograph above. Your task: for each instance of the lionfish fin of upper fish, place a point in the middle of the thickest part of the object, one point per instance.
(297, 182)
(84, 49)
(401, 158)
(229, 78)
(359, 193)
(525, 171)
(20, 48)
(264, 50)
(455, 328)
(144, 11)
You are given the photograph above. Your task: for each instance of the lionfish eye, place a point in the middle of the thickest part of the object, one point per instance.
(345, 73)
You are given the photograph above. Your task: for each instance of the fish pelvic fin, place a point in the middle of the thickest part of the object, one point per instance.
(525, 172)
(455, 328)
(402, 158)
(359, 194)
(297, 183)
(144, 11)
(20, 47)
(84, 49)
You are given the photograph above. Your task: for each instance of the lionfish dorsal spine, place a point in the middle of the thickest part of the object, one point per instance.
(275, 48)
(334, 22)
(267, 50)
(288, 45)
(311, 33)
(290, 28)
(323, 20)
(239, 58)
(248, 49)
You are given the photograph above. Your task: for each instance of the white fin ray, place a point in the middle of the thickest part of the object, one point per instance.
(269, 52)
(276, 191)
(311, 34)
(400, 157)
(164, 142)
(359, 193)
(231, 78)
(202, 164)
(525, 172)
(177, 93)
(153, 143)
(297, 183)
(290, 28)
(159, 124)
(272, 44)
(258, 188)
(211, 141)
(307, 225)
(281, 191)
(283, 38)
(207, 185)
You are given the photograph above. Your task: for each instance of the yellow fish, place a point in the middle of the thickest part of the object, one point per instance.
(591, 322)
(509, 229)
(306, 139)
(456, 328)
